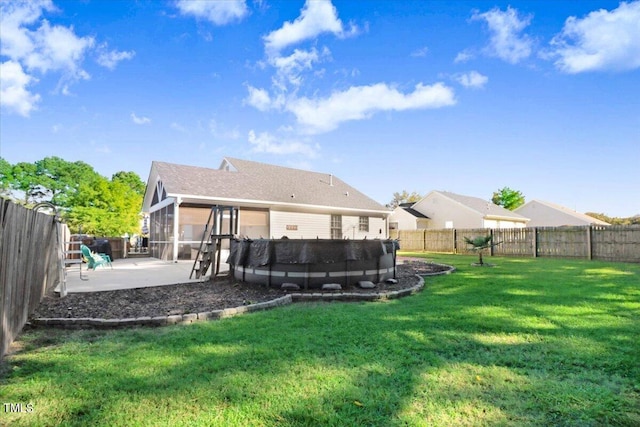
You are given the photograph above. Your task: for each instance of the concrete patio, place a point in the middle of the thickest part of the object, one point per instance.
(130, 273)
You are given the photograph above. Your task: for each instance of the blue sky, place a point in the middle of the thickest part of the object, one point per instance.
(463, 96)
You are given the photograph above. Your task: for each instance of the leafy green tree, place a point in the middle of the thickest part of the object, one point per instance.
(105, 208)
(86, 200)
(6, 177)
(403, 197)
(24, 180)
(508, 198)
(615, 220)
(131, 179)
(60, 179)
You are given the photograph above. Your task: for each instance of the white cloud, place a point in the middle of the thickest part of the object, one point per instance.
(361, 102)
(110, 59)
(140, 120)
(57, 48)
(290, 68)
(472, 79)
(217, 12)
(267, 143)
(38, 47)
(463, 56)
(14, 95)
(316, 17)
(603, 40)
(14, 15)
(507, 42)
(419, 53)
(258, 98)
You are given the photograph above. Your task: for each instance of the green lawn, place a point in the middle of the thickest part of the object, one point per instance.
(528, 342)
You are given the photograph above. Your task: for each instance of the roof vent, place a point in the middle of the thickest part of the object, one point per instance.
(331, 180)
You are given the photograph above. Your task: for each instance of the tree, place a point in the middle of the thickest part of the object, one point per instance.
(615, 220)
(24, 180)
(131, 179)
(508, 198)
(105, 208)
(403, 197)
(60, 179)
(85, 199)
(6, 177)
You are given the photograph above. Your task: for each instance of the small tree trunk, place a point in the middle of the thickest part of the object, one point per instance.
(480, 258)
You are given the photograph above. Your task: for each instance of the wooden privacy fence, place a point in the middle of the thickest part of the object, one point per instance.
(30, 265)
(607, 243)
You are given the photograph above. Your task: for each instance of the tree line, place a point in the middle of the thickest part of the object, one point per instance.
(87, 201)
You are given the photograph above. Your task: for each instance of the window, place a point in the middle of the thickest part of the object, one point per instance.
(336, 226)
(363, 224)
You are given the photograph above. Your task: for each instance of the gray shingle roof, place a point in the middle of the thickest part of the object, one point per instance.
(580, 216)
(485, 207)
(260, 182)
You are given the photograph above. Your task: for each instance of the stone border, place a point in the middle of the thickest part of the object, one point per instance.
(84, 322)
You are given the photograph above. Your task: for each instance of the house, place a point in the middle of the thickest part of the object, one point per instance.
(272, 202)
(545, 214)
(442, 209)
(404, 217)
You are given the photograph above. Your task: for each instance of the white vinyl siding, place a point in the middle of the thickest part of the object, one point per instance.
(351, 228)
(308, 225)
(405, 220)
(312, 225)
(497, 223)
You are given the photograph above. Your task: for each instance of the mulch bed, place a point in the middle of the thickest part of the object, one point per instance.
(218, 293)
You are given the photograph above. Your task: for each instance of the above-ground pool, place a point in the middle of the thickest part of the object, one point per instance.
(310, 263)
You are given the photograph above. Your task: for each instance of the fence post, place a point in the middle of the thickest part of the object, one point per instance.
(535, 242)
(589, 243)
(455, 245)
(492, 245)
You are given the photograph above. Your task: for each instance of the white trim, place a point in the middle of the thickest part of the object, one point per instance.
(269, 203)
(176, 226)
(163, 204)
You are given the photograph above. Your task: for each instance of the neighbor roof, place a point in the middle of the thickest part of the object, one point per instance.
(580, 216)
(484, 207)
(412, 211)
(246, 181)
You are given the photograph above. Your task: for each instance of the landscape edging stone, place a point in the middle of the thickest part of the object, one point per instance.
(188, 318)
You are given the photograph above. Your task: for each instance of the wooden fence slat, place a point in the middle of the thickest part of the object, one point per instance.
(607, 243)
(29, 266)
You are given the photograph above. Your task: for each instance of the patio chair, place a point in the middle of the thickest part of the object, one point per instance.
(93, 259)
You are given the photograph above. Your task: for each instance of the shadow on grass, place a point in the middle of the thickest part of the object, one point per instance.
(532, 343)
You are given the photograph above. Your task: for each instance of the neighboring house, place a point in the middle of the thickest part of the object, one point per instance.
(272, 202)
(404, 217)
(545, 214)
(448, 210)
